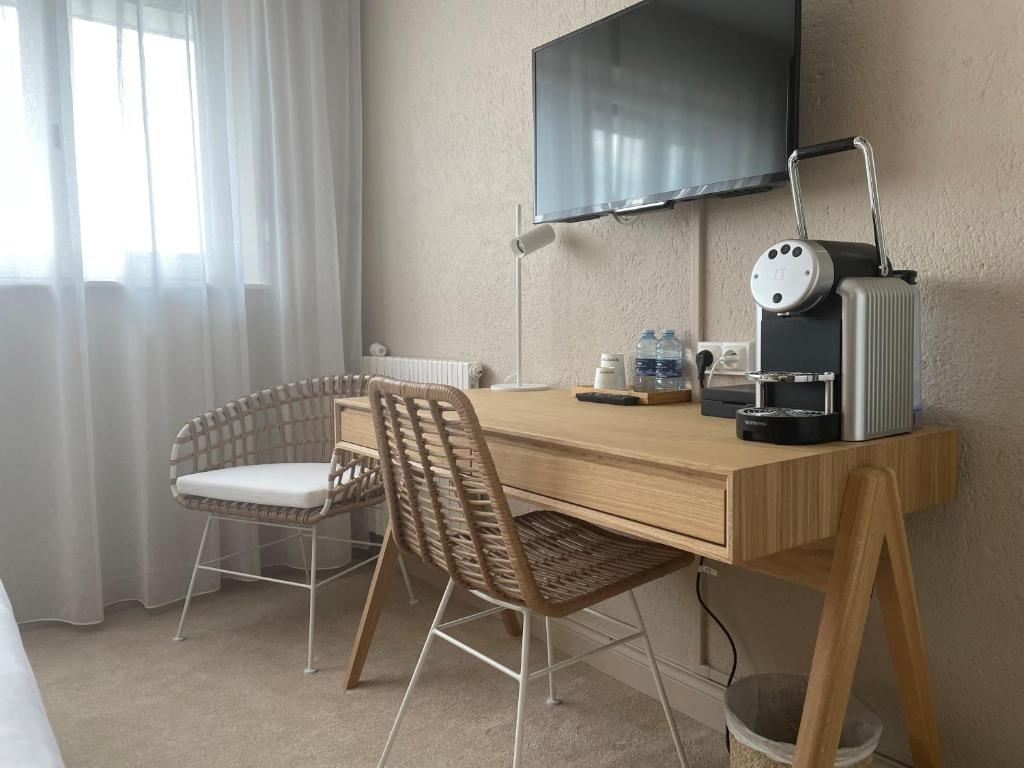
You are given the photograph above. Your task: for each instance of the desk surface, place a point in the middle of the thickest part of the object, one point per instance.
(721, 496)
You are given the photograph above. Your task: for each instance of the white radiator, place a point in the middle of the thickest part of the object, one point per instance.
(455, 372)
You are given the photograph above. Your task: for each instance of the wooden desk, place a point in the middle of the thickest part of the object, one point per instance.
(829, 517)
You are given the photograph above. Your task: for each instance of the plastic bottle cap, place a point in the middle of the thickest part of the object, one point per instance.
(669, 332)
(647, 333)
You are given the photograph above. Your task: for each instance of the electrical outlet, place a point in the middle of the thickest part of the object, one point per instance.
(713, 347)
(737, 357)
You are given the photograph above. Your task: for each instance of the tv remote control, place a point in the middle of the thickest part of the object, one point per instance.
(602, 397)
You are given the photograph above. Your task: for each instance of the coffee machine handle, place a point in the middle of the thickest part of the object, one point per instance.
(830, 148)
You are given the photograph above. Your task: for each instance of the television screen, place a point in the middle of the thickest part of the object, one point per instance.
(667, 100)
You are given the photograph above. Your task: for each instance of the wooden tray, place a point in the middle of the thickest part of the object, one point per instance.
(646, 398)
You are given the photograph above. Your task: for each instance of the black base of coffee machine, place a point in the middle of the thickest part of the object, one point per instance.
(725, 401)
(787, 426)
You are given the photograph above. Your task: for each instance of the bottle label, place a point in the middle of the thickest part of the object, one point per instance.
(646, 366)
(669, 369)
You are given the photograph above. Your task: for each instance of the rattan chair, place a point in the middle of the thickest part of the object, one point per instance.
(448, 508)
(269, 459)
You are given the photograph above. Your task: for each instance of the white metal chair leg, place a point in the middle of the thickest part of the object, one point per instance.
(658, 682)
(524, 678)
(553, 699)
(416, 673)
(405, 576)
(310, 669)
(178, 637)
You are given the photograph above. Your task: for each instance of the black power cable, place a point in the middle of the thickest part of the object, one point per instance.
(704, 360)
(721, 626)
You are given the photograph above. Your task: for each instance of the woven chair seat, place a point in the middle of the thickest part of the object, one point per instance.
(577, 565)
(275, 514)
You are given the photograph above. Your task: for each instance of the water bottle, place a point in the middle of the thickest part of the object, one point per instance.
(669, 362)
(646, 354)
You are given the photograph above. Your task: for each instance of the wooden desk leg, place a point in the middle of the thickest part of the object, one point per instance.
(898, 598)
(871, 551)
(847, 595)
(383, 571)
(511, 622)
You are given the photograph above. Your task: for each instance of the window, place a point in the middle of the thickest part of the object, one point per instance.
(135, 154)
(26, 220)
(128, 164)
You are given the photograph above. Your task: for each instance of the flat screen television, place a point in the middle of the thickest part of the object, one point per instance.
(667, 100)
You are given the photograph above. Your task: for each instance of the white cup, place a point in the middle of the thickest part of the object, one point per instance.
(615, 361)
(605, 377)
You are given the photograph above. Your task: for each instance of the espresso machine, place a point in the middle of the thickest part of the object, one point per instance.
(837, 332)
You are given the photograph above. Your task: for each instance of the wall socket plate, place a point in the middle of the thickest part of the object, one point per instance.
(714, 347)
(737, 356)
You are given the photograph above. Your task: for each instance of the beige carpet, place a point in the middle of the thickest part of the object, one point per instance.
(233, 694)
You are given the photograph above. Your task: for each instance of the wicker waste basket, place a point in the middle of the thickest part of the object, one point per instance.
(763, 715)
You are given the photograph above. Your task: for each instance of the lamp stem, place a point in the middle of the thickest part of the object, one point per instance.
(519, 298)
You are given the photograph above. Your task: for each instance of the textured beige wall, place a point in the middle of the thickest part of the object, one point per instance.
(938, 86)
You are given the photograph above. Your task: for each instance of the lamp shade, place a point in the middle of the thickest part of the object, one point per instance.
(533, 240)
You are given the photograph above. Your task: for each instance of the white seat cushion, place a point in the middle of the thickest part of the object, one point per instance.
(277, 485)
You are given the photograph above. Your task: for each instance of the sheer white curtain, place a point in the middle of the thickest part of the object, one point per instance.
(179, 225)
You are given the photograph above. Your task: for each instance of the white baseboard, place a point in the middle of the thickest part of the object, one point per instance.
(688, 692)
(888, 762)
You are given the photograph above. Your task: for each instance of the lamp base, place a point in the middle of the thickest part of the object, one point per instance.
(520, 387)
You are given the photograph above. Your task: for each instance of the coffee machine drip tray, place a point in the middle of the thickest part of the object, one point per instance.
(788, 426)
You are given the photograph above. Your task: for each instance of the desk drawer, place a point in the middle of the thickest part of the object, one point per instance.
(668, 499)
(672, 500)
(354, 426)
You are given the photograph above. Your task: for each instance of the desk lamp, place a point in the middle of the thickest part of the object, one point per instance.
(523, 244)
